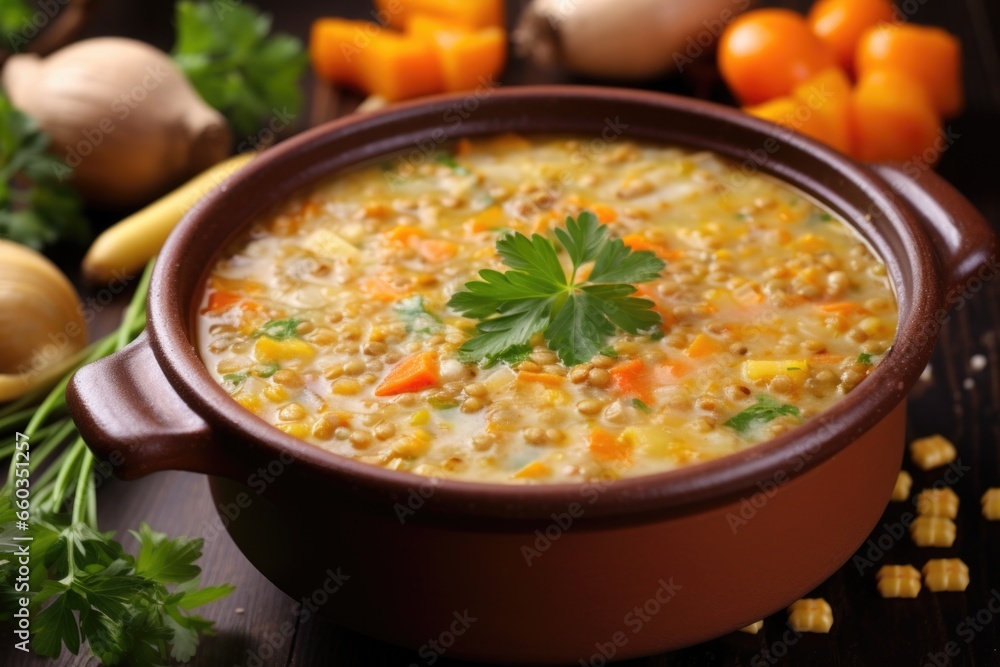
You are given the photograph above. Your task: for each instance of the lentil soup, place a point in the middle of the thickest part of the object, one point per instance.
(333, 317)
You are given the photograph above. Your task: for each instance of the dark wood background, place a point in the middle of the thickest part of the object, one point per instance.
(960, 402)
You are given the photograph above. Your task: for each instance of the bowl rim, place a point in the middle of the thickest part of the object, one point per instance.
(680, 490)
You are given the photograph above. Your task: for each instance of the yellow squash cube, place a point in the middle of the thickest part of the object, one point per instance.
(269, 349)
(760, 369)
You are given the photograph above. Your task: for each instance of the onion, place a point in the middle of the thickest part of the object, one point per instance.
(121, 114)
(622, 39)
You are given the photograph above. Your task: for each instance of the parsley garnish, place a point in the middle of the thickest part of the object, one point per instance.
(766, 409)
(512, 356)
(227, 52)
(279, 329)
(267, 370)
(417, 317)
(865, 358)
(37, 205)
(640, 406)
(450, 162)
(577, 315)
(609, 352)
(236, 378)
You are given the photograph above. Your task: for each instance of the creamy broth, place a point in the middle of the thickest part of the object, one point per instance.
(773, 309)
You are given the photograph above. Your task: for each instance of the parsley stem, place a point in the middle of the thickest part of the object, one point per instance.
(84, 481)
(13, 420)
(66, 465)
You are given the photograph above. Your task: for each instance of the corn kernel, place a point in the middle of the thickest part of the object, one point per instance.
(991, 505)
(932, 531)
(297, 429)
(534, 470)
(292, 412)
(249, 401)
(938, 502)
(268, 349)
(810, 615)
(753, 628)
(904, 483)
(946, 574)
(276, 393)
(932, 452)
(420, 418)
(759, 369)
(898, 581)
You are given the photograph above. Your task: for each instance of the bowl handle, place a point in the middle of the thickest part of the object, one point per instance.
(130, 416)
(963, 240)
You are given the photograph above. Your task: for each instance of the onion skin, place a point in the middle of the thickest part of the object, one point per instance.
(43, 323)
(121, 115)
(621, 39)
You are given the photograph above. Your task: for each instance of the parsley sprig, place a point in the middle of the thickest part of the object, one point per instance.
(766, 409)
(577, 312)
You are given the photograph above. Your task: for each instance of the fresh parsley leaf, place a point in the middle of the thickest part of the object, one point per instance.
(38, 208)
(164, 560)
(450, 162)
(228, 54)
(609, 352)
(418, 319)
(512, 356)
(657, 335)
(55, 626)
(820, 216)
(640, 406)
(279, 329)
(865, 358)
(576, 315)
(766, 409)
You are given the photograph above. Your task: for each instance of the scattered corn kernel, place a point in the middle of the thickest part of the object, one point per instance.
(249, 401)
(810, 615)
(753, 628)
(932, 452)
(411, 447)
(276, 393)
(946, 574)
(297, 429)
(346, 387)
(991, 505)
(904, 482)
(932, 531)
(898, 581)
(938, 502)
(420, 417)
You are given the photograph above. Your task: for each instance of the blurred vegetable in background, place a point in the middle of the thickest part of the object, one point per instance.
(13, 14)
(226, 52)
(37, 205)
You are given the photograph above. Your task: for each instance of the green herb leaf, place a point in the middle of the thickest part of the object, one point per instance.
(38, 208)
(279, 329)
(609, 352)
(577, 317)
(267, 370)
(418, 319)
(450, 162)
(236, 378)
(55, 626)
(164, 560)
(766, 409)
(512, 356)
(640, 406)
(657, 334)
(865, 358)
(15, 19)
(226, 52)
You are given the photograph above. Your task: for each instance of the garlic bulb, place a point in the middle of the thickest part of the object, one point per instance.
(121, 115)
(41, 318)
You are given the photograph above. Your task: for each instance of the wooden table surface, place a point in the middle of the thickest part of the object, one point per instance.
(962, 401)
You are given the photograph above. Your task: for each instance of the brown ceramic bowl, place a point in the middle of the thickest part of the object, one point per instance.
(628, 568)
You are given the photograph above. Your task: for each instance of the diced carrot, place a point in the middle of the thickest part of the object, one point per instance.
(844, 308)
(416, 372)
(825, 358)
(606, 447)
(487, 220)
(550, 379)
(437, 250)
(665, 313)
(220, 300)
(702, 346)
(404, 234)
(669, 372)
(605, 214)
(473, 14)
(632, 379)
(381, 290)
